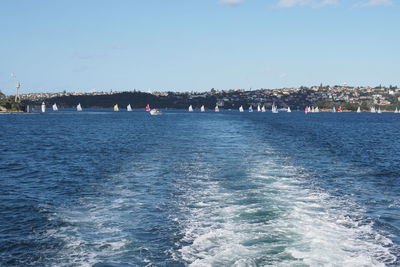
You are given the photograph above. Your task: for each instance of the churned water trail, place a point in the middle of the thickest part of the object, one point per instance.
(199, 189)
(268, 213)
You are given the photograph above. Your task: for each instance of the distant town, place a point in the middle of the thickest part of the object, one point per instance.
(323, 96)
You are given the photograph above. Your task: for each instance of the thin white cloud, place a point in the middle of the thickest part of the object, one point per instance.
(231, 2)
(372, 3)
(325, 3)
(306, 3)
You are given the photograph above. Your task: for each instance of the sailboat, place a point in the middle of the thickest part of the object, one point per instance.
(358, 110)
(116, 107)
(333, 109)
(202, 109)
(79, 107)
(263, 109)
(148, 107)
(258, 108)
(306, 110)
(316, 109)
(339, 109)
(274, 108)
(129, 108)
(216, 108)
(251, 108)
(289, 110)
(396, 111)
(55, 108)
(241, 109)
(43, 107)
(379, 110)
(190, 108)
(373, 110)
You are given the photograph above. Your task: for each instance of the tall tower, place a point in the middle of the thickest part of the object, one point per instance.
(17, 99)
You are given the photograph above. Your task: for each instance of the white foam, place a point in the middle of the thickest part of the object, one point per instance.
(92, 231)
(302, 225)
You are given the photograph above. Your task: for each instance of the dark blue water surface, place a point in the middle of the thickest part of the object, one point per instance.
(100, 188)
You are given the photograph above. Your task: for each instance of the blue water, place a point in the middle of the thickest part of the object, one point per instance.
(101, 188)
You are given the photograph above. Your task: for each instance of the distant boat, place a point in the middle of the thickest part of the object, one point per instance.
(316, 110)
(241, 109)
(55, 108)
(251, 108)
(202, 109)
(79, 107)
(379, 110)
(333, 109)
(306, 110)
(289, 110)
(129, 108)
(216, 108)
(263, 109)
(274, 109)
(190, 108)
(396, 111)
(358, 110)
(258, 108)
(373, 110)
(148, 107)
(43, 107)
(155, 112)
(312, 110)
(339, 109)
(116, 107)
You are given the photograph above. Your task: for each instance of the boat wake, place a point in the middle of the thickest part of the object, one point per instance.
(276, 218)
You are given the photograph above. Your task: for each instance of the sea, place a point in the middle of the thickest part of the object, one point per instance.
(106, 189)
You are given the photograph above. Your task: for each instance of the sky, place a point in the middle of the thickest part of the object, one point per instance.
(196, 45)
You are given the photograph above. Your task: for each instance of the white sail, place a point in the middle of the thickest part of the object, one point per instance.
(379, 110)
(79, 107)
(358, 110)
(396, 111)
(251, 108)
(129, 108)
(274, 109)
(43, 107)
(263, 109)
(190, 108)
(55, 108)
(288, 109)
(241, 109)
(202, 109)
(258, 108)
(333, 109)
(316, 109)
(373, 110)
(116, 108)
(216, 108)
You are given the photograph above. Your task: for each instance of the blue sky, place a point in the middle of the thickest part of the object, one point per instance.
(184, 45)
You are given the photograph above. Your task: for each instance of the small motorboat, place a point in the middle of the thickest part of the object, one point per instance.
(155, 112)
